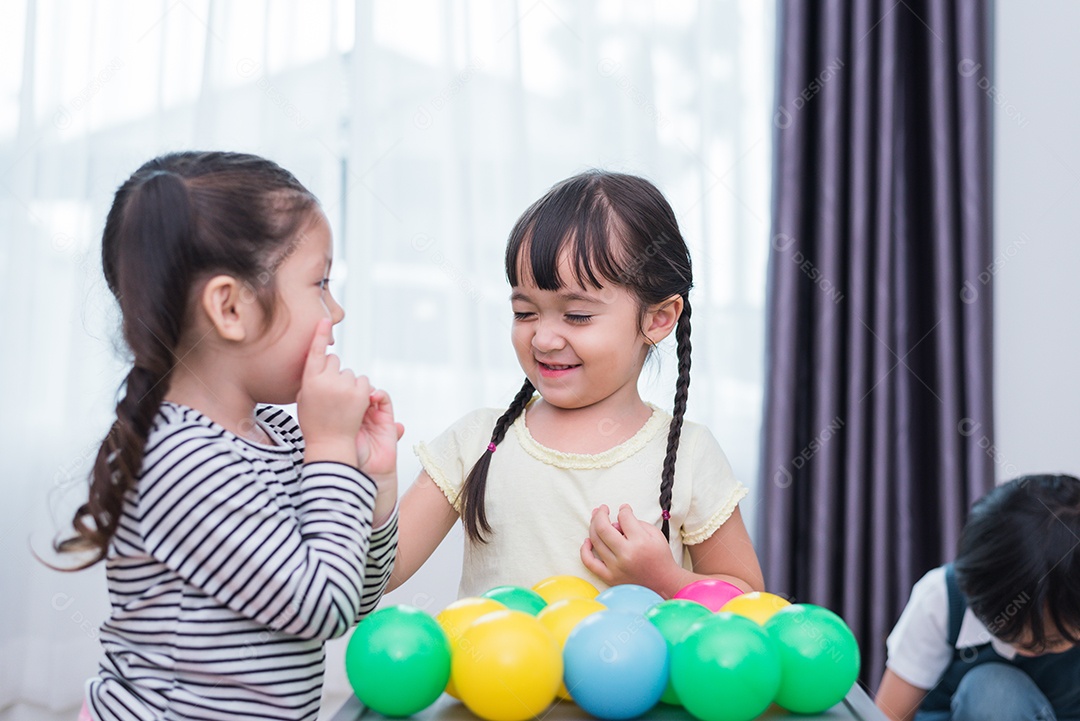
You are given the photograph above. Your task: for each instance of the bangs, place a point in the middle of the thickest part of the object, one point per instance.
(573, 221)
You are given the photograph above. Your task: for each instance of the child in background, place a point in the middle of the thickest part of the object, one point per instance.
(236, 540)
(600, 274)
(993, 635)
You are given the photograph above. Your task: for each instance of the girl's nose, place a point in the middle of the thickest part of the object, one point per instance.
(547, 338)
(337, 313)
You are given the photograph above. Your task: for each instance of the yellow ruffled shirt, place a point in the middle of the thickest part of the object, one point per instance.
(539, 500)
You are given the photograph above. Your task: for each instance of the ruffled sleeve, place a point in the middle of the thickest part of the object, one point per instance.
(716, 491)
(452, 454)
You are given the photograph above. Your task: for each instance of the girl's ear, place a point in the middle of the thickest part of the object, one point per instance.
(228, 306)
(661, 318)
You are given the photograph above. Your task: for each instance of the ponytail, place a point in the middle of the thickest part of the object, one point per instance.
(682, 386)
(146, 237)
(473, 516)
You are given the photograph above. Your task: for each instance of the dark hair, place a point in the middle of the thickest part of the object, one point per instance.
(1018, 559)
(616, 229)
(178, 219)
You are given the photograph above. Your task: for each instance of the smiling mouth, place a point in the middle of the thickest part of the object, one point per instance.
(556, 367)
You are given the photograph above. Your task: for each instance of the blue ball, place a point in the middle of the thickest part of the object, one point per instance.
(615, 664)
(629, 597)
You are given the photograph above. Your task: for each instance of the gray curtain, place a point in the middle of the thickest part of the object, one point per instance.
(878, 417)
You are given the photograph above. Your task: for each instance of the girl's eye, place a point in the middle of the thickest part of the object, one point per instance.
(324, 284)
(521, 315)
(579, 319)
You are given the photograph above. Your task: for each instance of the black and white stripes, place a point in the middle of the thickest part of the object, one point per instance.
(232, 564)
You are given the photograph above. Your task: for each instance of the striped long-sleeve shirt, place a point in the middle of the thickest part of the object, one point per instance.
(232, 564)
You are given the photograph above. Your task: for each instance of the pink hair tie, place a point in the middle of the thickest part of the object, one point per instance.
(665, 515)
(491, 447)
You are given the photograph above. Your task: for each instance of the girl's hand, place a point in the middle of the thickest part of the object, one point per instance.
(376, 440)
(630, 551)
(376, 450)
(331, 404)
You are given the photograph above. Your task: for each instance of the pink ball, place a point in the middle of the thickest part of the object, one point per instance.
(712, 593)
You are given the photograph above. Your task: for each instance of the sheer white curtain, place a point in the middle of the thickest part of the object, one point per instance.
(425, 128)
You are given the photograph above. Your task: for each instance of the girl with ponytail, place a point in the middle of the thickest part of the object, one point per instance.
(600, 274)
(236, 539)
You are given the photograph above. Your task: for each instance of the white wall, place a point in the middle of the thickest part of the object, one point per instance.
(1037, 246)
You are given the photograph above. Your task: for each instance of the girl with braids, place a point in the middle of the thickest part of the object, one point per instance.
(236, 540)
(600, 274)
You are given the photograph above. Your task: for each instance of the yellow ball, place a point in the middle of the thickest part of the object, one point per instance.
(557, 588)
(757, 605)
(457, 617)
(561, 617)
(507, 667)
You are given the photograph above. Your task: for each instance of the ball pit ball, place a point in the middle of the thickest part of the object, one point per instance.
(507, 667)
(758, 606)
(819, 657)
(616, 664)
(558, 588)
(709, 592)
(398, 661)
(457, 617)
(517, 598)
(629, 597)
(561, 617)
(672, 618)
(726, 668)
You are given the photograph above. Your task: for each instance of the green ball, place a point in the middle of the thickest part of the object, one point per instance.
(518, 598)
(672, 618)
(819, 657)
(398, 661)
(726, 668)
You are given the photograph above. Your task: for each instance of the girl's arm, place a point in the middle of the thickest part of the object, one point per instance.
(425, 517)
(897, 698)
(637, 552)
(728, 555)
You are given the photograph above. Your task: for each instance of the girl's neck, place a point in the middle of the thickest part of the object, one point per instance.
(589, 430)
(228, 405)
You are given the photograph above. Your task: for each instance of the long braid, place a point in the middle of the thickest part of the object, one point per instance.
(473, 515)
(682, 386)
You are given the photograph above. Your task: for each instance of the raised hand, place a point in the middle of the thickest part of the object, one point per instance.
(376, 442)
(628, 551)
(376, 449)
(331, 404)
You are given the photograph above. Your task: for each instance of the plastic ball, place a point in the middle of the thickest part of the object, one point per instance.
(457, 617)
(818, 655)
(558, 588)
(616, 664)
(517, 598)
(726, 668)
(398, 661)
(629, 597)
(709, 592)
(561, 617)
(757, 606)
(673, 618)
(508, 666)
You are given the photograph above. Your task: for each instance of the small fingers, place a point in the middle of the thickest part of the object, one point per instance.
(316, 359)
(628, 523)
(591, 562)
